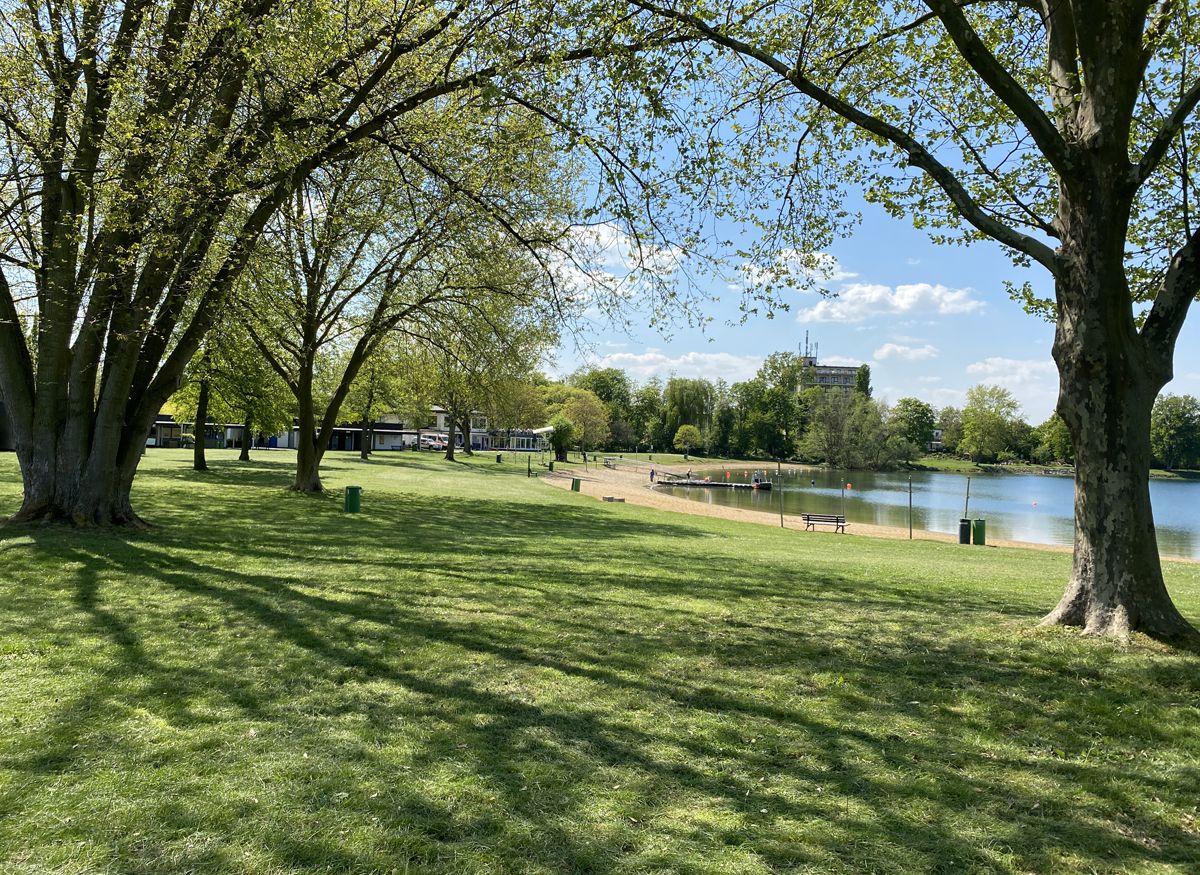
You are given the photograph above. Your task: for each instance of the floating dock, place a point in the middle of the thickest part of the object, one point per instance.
(764, 485)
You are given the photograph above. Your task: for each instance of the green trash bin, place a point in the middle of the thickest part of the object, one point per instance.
(979, 532)
(574, 484)
(552, 467)
(353, 499)
(499, 458)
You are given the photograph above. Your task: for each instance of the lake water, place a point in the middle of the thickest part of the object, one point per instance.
(1017, 507)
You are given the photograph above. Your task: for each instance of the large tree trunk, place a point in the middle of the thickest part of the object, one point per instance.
(1109, 379)
(247, 437)
(64, 484)
(61, 499)
(1116, 584)
(310, 448)
(200, 428)
(364, 451)
(308, 468)
(450, 437)
(466, 433)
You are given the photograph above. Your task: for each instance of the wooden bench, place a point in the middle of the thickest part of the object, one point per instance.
(812, 520)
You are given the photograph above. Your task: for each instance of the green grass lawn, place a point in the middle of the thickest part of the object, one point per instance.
(480, 674)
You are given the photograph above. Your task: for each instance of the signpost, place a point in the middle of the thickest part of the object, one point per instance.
(910, 507)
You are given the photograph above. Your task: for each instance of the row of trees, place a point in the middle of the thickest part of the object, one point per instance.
(150, 145)
(781, 414)
(192, 192)
(389, 281)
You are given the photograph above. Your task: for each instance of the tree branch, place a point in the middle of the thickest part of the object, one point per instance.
(1171, 126)
(1003, 85)
(918, 155)
(1179, 288)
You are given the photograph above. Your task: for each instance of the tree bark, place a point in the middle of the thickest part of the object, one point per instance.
(364, 451)
(466, 433)
(247, 437)
(200, 428)
(1116, 585)
(309, 450)
(450, 436)
(1109, 378)
(58, 489)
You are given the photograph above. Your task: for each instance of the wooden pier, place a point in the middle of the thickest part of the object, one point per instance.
(763, 485)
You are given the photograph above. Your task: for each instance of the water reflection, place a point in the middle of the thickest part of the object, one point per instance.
(1019, 507)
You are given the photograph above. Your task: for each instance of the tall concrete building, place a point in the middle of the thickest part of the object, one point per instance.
(831, 378)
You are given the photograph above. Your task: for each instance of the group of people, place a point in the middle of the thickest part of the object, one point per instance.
(688, 477)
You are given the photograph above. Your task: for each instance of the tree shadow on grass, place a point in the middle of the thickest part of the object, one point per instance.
(270, 470)
(420, 695)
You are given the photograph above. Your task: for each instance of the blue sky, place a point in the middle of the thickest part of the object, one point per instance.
(930, 320)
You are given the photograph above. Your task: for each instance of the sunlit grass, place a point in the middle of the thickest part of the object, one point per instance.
(479, 673)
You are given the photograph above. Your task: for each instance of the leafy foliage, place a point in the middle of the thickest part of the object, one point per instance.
(687, 438)
(1175, 431)
(914, 420)
(988, 420)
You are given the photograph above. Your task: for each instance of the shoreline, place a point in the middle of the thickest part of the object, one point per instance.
(630, 483)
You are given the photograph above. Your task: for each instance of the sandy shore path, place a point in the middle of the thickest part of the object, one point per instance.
(630, 480)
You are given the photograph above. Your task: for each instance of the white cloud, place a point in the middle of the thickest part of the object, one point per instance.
(1033, 382)
(858, 301)
(906, 353)
(608, 246)
(1012, 373)
(943, 397)
(843, 361)
(709, 365)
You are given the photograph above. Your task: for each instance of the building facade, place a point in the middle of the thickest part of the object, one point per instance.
(831, 378)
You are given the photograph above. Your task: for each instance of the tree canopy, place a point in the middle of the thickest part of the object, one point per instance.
(1062, 131)
(987, 421)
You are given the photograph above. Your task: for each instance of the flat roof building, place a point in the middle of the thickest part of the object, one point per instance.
(831, 378)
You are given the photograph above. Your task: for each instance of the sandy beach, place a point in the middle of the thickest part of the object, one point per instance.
(630, 480)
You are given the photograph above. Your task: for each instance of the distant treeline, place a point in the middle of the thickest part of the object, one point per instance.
(782, 414)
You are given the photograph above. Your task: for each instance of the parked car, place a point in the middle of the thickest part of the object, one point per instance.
(433, 442)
